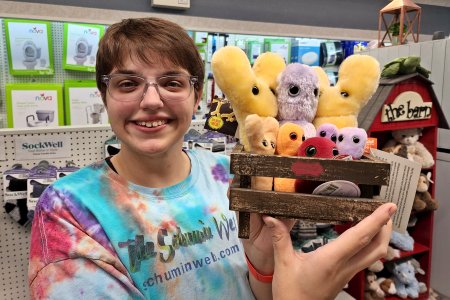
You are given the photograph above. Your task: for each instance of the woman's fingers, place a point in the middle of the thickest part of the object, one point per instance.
(359, 236)
(281, 238)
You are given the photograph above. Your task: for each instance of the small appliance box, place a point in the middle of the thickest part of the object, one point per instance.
(280, 46)
(81, 45)
(306, 51)
(254, 49)
(29, 46)
(83, 103)
(34, 105)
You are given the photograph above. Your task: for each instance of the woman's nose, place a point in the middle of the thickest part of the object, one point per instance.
(151, 98)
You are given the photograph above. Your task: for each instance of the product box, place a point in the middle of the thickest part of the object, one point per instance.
(83, 103)
(254, 49)
(81, 45)
(34, 105)
(280, 46)
(29, 47)
(41, 176)
(15, 183)
(306, 51)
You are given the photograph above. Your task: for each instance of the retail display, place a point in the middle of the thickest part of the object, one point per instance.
(83, 103)
(80, 46)
(34, 105)
(340, 104)
(245, 97)
(29, 46)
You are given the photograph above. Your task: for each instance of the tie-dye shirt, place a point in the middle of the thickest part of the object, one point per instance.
(97, 236)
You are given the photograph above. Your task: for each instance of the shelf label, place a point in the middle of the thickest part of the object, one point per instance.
(42, 147)
(407, 106)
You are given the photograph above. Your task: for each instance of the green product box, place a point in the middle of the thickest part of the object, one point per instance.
(280, 46)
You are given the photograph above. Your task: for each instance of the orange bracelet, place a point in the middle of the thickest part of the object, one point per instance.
(256, 274)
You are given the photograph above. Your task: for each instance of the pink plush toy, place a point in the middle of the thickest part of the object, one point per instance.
(351, 141)
(329, 131)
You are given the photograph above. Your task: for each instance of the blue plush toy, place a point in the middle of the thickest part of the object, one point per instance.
(402, 241)
(403, 275)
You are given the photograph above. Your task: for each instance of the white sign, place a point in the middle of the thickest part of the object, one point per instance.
(401, 188)
(42, 147)
(406, 107)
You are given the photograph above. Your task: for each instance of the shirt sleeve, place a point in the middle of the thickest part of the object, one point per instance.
(71, 256)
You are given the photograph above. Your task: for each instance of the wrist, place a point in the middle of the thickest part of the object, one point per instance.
(262, 277)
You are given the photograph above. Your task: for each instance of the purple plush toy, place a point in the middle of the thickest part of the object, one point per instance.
(351, 141)
(329, 131)
(298, 96)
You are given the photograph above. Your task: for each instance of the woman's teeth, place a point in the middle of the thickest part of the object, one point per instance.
(152, 124)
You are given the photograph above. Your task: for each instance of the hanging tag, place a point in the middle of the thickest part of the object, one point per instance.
(221, 117)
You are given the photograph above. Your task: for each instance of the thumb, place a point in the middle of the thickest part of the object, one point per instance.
(281, 239)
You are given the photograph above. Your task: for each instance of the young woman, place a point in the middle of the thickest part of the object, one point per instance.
(152, 222)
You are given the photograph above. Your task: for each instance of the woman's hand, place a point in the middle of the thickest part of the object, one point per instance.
(322, 273)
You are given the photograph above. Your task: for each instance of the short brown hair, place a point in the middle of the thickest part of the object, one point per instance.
(148, 40)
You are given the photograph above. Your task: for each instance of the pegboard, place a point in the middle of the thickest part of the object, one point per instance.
(87, 146)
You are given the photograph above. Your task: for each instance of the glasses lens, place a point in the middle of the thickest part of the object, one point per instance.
(126, 88)
(174, 87)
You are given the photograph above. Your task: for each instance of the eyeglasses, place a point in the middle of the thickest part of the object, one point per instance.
(129, 87)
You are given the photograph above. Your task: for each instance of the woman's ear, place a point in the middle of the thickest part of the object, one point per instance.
(197, 101)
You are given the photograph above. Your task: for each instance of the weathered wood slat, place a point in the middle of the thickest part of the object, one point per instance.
(364, 171)
(296, 205)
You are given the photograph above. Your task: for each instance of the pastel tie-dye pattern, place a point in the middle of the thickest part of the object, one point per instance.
(97, 236)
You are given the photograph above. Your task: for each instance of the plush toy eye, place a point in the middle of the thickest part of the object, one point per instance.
(303, 138)
(323, 133)
(356, 139)
(272, 144)
(316, 92)
(340, 138)
(293, 136)
(333, 138)
(293, 90)
(335, 152)
(265, 143)
(255, 90)
(273, 91)
(344, 94)
(310, 151)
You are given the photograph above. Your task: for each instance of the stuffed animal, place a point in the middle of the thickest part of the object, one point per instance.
(404, 65)
(297, 96)
(329, 131)
(262, 136)
(422, 199)
(405, 280)
(317, 147)
(340, 104)
(372, 285)
(249, 90)
(351, 141)
(416, 151)
(290, 137)
(402, 241)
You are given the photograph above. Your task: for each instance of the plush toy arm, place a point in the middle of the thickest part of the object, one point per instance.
(423, 152)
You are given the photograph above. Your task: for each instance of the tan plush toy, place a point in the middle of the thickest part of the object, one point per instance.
(262, 136)
(249, 90)
(340, 104)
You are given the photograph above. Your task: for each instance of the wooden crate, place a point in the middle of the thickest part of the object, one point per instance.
(368, 173)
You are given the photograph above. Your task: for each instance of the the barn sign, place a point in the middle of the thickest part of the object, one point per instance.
(407, 106)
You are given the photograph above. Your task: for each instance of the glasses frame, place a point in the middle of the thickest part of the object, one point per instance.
(106, 79)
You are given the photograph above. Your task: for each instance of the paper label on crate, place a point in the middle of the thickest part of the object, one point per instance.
(402, 186)
(40, 147)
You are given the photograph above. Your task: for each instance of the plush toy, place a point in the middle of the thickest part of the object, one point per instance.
(290, 137)
(405, 280)
(402, 241)
(249, 90)
(416, 151)
(351, 141)
(317, 147)
(329, 131)
(386, 285)
(372, 285)
(422, 199)
(403, 66)
(297, 96)
(340, 104)
(262, 136)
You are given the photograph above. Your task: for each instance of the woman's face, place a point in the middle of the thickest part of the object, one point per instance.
(151, 126)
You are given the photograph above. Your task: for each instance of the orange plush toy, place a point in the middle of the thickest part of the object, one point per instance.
(261, 133)
(290, 137)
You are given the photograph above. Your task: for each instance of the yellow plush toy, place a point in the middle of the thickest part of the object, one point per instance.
(340, 105)
(249, 90)
(262, 137)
